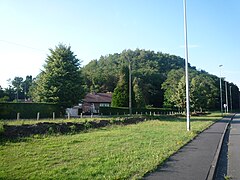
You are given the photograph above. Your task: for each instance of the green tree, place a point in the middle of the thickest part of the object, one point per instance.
(139, 98)
(27, 83)
(120, 95)
(10, 93)
(3, 96)
(203, 92)
(174, 91)
(1, 92)
(17, 83)
(149, 67)
(61, 80)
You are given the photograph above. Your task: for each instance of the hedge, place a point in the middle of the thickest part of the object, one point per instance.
(28, 110)
(124, 110)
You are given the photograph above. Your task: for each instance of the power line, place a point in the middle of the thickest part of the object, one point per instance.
(21, 45)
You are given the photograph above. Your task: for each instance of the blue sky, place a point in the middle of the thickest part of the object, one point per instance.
(100, 27)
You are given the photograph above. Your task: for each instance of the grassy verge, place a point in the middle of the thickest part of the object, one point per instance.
(74, 120)
(115, 152)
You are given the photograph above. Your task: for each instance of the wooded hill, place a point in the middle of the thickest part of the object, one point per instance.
(157, 79)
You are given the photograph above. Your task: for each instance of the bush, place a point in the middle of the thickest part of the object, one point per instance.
(28, 110)
(1, 128)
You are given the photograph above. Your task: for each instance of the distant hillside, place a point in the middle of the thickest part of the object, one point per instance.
(150, 68)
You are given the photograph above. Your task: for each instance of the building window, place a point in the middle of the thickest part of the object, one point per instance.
(104, 105)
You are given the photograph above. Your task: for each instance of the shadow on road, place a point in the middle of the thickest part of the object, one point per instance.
(222, 165)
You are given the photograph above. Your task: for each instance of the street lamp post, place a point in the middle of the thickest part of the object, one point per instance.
(238, 99)
(231, 97)
(226, 96)
(221, 101)
(130, 88)
(186, 67)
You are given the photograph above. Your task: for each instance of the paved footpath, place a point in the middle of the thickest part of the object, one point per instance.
(234, 149)
(194, 160)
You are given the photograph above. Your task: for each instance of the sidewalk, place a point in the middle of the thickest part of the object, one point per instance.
(194, 160)
(234, 149)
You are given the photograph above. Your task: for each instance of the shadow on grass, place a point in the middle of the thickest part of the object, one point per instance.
(17, 133)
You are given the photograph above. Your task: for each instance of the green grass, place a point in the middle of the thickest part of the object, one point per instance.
(34, 121)
(115, 152)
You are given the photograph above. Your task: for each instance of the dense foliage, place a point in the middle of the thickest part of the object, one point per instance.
(149, 68)
(158, 80)
(28, 110)
(18, 90)
(60, 81)
(203, 90)
(120, 96)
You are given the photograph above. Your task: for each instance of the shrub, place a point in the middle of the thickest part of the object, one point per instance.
(1, 127)
(28, 110)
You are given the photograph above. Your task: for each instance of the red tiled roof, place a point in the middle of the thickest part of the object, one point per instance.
(98, 98)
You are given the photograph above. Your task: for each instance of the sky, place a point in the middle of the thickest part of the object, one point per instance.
(94, 28)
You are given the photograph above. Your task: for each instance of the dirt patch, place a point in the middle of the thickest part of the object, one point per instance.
(11, 131)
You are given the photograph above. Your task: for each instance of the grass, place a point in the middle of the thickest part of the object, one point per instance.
(115, 152)
(61, 120)
(78, 120)
(33, 121)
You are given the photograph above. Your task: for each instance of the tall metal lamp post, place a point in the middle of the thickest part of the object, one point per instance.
(226, 96)
(186, 67)
(231, 97)
(221, 101)
(130, 87)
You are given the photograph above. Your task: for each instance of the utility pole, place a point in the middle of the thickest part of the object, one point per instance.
(186, 67)
(226, 96)
(130, 87)
(239, 100)
(231, 98)
(221, 101)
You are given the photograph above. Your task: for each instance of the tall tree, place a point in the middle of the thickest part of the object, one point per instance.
(27, 83)
(173, 86)
(137, 89)
(10, 93)
(3, 96)
(60, 81)
(203, 90)
(149, 67)
(121, 93)
(17, 83)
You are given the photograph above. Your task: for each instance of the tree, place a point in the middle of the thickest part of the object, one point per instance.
(17, 83)
(3, 96)
(1, 92)
(10, 93)
(174, 91)
(150, 68)
(139, 98)
(203, 90)
(121, 94)
(61, 80)
(26, 86)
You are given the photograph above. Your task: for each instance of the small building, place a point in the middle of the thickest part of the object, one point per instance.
(92, 102)
(75, 111)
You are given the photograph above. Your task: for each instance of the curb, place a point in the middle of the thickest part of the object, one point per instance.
(212, 169)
